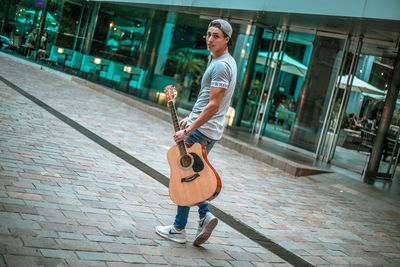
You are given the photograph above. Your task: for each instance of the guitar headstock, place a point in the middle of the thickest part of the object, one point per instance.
(170, 92)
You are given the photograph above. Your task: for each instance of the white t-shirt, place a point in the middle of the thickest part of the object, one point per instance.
(221, 72)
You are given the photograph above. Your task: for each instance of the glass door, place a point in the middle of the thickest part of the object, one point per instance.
(262, 73)
(336, 106)
(354, 113)
(280, 70)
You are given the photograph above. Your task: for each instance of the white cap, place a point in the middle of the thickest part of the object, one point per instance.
(223, 25)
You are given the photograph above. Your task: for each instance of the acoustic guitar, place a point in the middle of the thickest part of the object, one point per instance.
(193, 180)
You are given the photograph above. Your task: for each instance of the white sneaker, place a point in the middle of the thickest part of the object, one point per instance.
(169, 232)
(206, 226)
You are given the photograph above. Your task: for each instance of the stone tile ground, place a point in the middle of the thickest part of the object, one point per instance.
(66, 200)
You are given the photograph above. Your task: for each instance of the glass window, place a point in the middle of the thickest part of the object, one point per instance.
(120, 37)
(23, 22)
(26, 17)
(364, 112)
(186, 59)
(183, 58)
(284, 90)
(69, 26)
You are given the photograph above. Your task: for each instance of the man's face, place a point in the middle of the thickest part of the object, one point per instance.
(216, 40)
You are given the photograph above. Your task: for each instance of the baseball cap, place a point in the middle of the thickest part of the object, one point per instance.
(223, 25)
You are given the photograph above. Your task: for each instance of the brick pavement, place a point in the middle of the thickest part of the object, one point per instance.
(66, 200)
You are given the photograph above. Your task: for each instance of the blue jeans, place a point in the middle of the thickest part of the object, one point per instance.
(183, 212)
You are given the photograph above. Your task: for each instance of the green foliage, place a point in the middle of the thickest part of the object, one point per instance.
(187, 64)
(189, 71)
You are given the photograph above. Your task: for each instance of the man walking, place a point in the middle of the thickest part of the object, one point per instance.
(205, 124)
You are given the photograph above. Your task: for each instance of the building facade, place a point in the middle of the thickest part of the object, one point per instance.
(320, 76)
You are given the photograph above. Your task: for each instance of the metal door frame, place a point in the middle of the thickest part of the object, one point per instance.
(325, 126)
(267, 71)
(392, 167)
(271, 81)
(266, 78)
(345, 99)
(326, 149)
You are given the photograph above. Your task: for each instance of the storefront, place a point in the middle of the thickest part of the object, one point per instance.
(295, 85)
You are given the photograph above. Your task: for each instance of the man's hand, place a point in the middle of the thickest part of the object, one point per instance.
(179, 136)
(183, 122)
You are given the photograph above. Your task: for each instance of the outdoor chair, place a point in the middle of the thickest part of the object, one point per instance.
(60, 58)
(367, 140)
(114, 72)
(88, 67)
(53, 54)
(138, 78)
(107, 73)
(280, 116)
(75, 61)
(103, 68)
(286, 117)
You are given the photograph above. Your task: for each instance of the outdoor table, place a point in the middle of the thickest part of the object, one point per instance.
(100, 65)
(128, 69)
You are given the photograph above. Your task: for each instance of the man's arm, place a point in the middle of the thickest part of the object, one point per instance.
(216, 95)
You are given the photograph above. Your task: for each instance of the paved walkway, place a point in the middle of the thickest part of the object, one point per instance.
(66, 200)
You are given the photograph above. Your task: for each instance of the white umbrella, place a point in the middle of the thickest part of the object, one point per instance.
(361, 86)
(288, 64)
(378, 97)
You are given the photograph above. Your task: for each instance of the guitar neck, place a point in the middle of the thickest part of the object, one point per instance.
(175, 123)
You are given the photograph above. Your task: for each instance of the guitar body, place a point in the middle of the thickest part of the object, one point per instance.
(194, 182)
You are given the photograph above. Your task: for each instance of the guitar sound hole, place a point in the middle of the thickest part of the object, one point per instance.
(186, 161)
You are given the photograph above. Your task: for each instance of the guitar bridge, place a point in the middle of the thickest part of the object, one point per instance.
(190, 178)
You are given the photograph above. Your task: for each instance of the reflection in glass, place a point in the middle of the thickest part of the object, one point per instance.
(291, 69)
(363, 116)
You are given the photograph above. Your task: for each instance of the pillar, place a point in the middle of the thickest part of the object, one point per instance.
(42, 23)
(91, 28)
(166, 40)
(383, 128)
(241, 48)
(148, 59)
